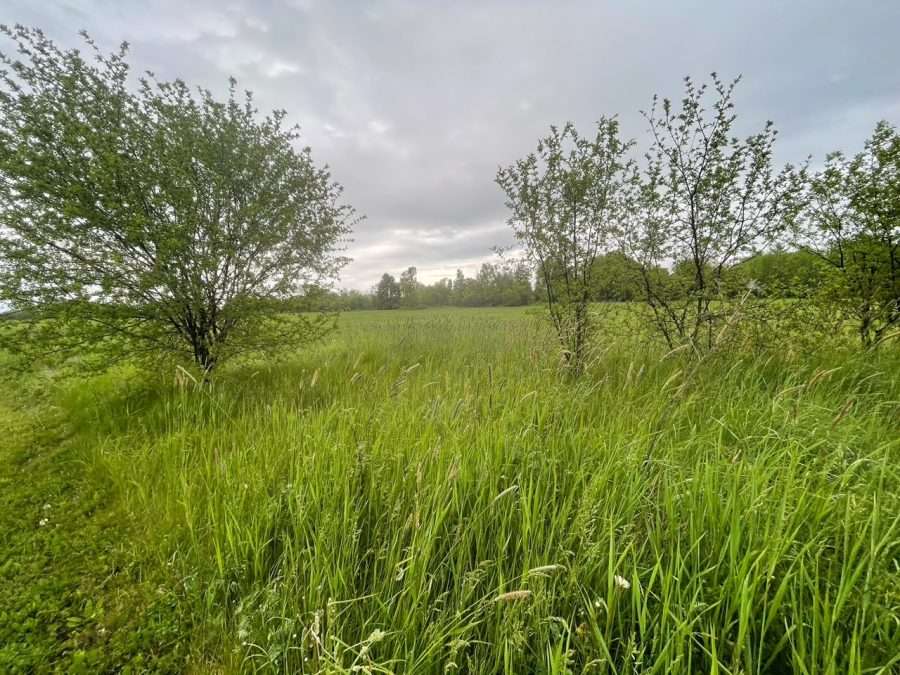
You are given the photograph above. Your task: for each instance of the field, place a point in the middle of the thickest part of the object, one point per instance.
(426, 492)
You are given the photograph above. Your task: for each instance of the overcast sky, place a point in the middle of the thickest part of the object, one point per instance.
(414, 104)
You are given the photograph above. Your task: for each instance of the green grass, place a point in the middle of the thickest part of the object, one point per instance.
(362, 506)
(76, 595)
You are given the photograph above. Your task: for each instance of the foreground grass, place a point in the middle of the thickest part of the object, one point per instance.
(426, 493)
(74, 595)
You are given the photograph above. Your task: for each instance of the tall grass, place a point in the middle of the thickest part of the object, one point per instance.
(427, 493)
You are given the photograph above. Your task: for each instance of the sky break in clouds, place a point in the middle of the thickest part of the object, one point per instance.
(414, 104)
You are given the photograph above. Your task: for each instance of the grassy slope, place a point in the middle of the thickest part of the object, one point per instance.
(364, 505)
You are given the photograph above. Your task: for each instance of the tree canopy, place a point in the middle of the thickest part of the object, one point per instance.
(566, 200)
(852, 223)
(707, 199)
(143, 217)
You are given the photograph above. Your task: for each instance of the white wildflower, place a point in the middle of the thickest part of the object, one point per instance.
(622, 582)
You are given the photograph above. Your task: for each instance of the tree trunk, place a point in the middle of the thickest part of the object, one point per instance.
(204, 357)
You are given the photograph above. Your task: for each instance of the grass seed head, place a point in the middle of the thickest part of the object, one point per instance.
(513, 596)
(545, 570)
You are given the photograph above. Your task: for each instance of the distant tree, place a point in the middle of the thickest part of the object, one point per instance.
(355, 300)
(707, 199)
(495, 285)
(387, 293)
(488, 285)
(503, 284)
(409, 288)
(440, 293)
(460, 284)
(520, 291)
(779, 273)
(157, 220)
(852, 223)
(617, 278)
(565, 201)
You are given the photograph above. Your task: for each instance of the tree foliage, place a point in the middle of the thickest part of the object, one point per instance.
(409, 288)
(153, 219)
(778, 273)
(505, 284)
(617, 278)
(565, 201)
(387, 293)
(852, 223)
(707, 199)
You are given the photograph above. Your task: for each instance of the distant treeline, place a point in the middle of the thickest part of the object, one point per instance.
(495, 285)
(616, 278)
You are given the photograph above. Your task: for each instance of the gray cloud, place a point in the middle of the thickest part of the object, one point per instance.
(414, 104)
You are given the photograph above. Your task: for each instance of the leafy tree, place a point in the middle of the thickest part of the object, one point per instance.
(565, 200)
(354, 300)
(779, 273)
(438, 294)
(519, 291)
(852, 223)
(155, 220)
(707, 199)
(617, 278)
(327, 300)
(387, 293)
(409, 288)
(460, 288)
(486, 282)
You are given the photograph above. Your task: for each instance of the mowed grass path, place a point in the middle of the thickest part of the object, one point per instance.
(427, 493)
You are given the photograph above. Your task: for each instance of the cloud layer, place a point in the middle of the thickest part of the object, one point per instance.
(414, 104)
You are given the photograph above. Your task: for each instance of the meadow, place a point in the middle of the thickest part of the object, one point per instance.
(427, 492)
